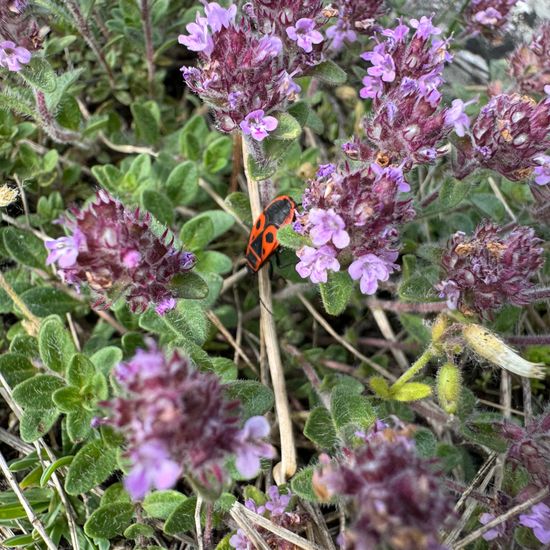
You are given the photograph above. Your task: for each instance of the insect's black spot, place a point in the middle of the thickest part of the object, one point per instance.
(263, 251)
(269, 237)
(258, 224)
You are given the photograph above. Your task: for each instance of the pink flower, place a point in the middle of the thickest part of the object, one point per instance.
(152, 467)
(199, 39)
(218, 16)
(64, 250)
(382, 64)
(424, 27)
(304, 34)
(373, 87)
(456, 117)
(12, 56)
(496, 531)
(257, 125)
(328, 226)
(542, 172)
(252, 448)
(370, 269)
(538, 520)
(315, 262)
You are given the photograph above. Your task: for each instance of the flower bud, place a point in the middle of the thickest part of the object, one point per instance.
(491, 347)
(449, 386)
(439, 327)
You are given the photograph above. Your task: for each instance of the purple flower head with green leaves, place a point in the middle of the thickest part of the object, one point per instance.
(114, 251)
(538, 519)
(218, 16)
(304, 34)
(257, 125)
(13, 57)
(177, 421)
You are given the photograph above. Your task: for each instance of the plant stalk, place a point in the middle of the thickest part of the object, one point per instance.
(149, 49)
(33, 322)
(269, 335)
(415, 368)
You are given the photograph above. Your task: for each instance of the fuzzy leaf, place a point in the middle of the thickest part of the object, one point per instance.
(44, 301)
(329, 73)
(287, 129)
(16, 368)
(411, 391)
(302, 484)
(320, 428)
(36, 423)
(25, 247)
(106, 359)
(189, 285)
(217, 154)
(81, 370)
(39, 74)
(55, 344)
(351, 409)
(182, 184)
(182, 519)
(67, 399)
(336, 292)
(256, 399)
(380, 387)
(159, 205)
(36, 392)
(79, 424)
(288, 238)
(92, 465)
(160, 504)
(109, 521)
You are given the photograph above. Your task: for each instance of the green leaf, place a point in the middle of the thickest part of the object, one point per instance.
(336, 292)
(50, 470)
(115, 493)
(36, 392)
(306, 116)
(426, 442)
(213, 261)
(39, 74)
(182, 184)
(197, 233)
(240, 204)
(79, 424)
(411, 391)
(19, 541)
(351, 409)
(55, 345)
(480, 428)
(256, 399)
(36, 423)
(160, 504)
(288, 238)
(106, 359)
(225, 369)
(302, 484)
(147, 128)
(67, 399)
(138, 530)
(222, 221)
(217, 154)
(452, 193)
(329, 72)
(418, 288)
(190, 286)
(182, 519)
(109, 521)
(288, 127)
(80, 371)
(44, 301)
(25, 247)
(260, 171)
(320, 428)
(15, 368)
(159, 205)
(416, 328)
(92, 465)
(380, 387)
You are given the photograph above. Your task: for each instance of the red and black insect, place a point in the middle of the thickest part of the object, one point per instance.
(262, 242)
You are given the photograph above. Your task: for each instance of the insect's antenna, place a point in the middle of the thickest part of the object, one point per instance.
(266, 308)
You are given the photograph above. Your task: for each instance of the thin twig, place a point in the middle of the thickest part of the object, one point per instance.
(383, 323)
(501, 198)
(215, 320)
(269, 333)
(37, 524)
(33, 324)
(198, 526)
(242, 521)
(475, 535)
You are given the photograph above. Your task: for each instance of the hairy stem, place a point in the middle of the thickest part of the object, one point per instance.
(149, 50)
(49, 125)
(84, 30)
(269, 334)
(33, 322)
(415, 368)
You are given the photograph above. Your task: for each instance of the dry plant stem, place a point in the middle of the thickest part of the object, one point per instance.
(506, 402)
(37, 524)
(527, 399)
(149, 50)
(237, 162)
(23, 199)
(47, 121)
(85, 31)
(33, 325)
(275, 529)
(243, 523)
(500, 197)
(475, 535)
(14, 442)
(488, 464)
(470, 508)
(198, 527)
(383, 323)
(269, 335)
(404, 307)
(322, 321)
(319, 524)
(215, 320)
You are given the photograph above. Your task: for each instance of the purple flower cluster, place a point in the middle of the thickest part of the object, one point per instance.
(398, 497)
(247, 64)
(510, 135)
(354, 17)
(407, 125)
(490, 269)
(114, 251)
(275, 508)
(488, 17)
(13, 57)
(177, 422)
(353, 218)
(530, 63)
